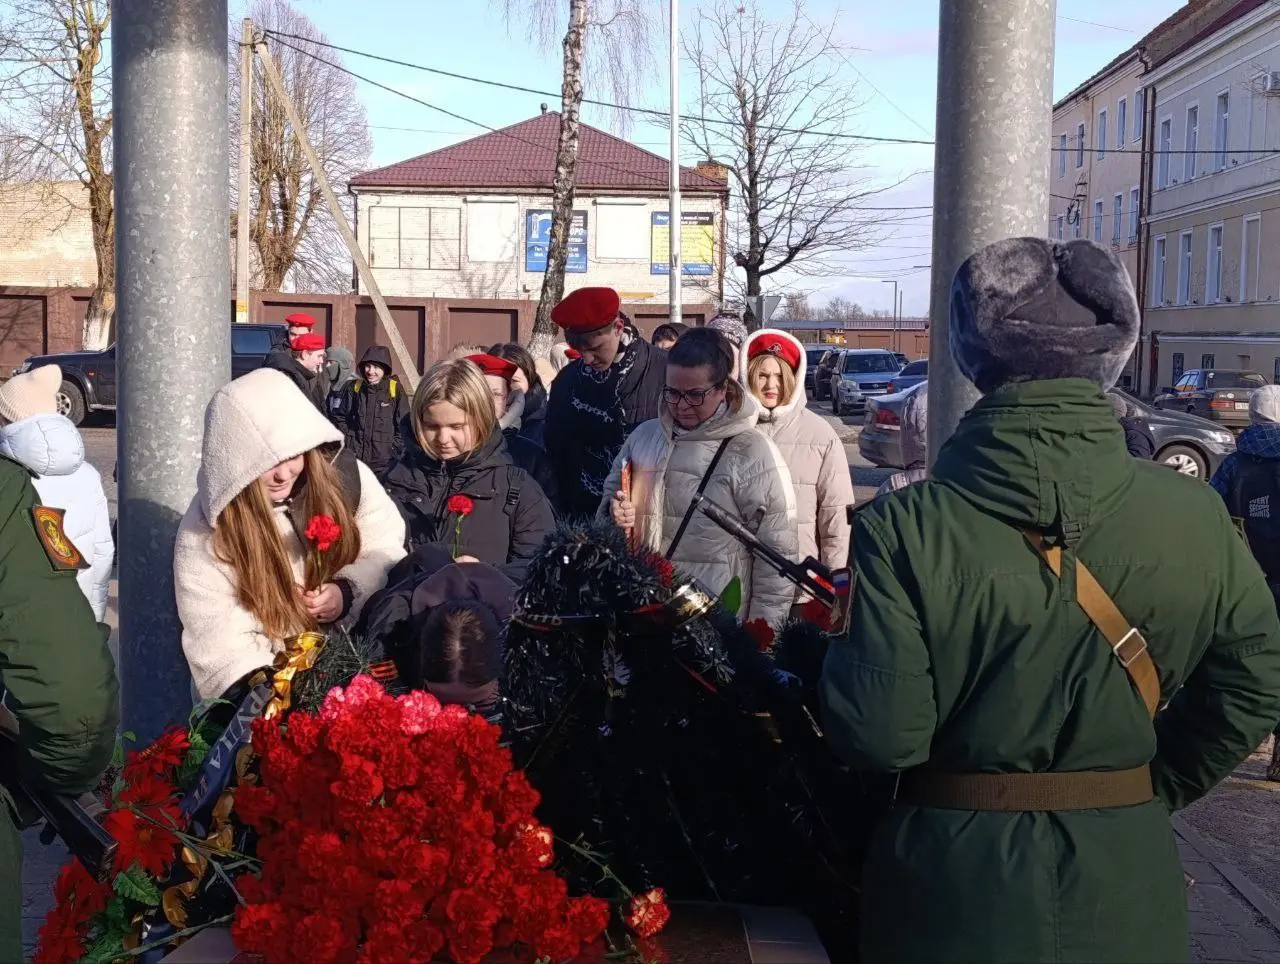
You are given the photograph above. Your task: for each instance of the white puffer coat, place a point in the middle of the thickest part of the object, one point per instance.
(750, 481)
(819, 467)
(52, 448)
(251, 425)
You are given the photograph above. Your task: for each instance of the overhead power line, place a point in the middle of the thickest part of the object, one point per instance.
(586, 100)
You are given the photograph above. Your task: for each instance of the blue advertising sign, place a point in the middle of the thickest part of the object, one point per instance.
(537, 238)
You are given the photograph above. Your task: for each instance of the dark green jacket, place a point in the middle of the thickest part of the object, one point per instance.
(59, 675)
(966, 653)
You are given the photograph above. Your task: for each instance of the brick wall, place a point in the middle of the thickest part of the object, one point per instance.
(47, 320)
(45, 237)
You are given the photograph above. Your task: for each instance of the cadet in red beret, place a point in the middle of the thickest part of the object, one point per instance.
(299, 323)
(771, 343)
(302, 359)
(509, 406)
(613, 385)
(493, 365)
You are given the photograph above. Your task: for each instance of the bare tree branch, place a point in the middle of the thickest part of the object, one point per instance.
(295, 239)
(798, 198)
(55, 120)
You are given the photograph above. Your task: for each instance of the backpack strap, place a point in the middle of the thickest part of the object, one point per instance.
(393, 387)
(514, 486)
(693, 504)
(1128, 645)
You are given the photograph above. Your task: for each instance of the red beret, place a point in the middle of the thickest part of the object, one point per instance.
(300, 319)
(572, 354)
(783, 348)
(310, 342)
(493, 365)
(587, 309)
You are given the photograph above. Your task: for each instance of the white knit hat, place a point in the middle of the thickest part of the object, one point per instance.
(1264, 406)
(31, 393)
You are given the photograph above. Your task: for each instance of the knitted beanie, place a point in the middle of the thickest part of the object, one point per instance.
(31, 393)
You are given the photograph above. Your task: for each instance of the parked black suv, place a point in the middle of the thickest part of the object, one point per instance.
(89, 377)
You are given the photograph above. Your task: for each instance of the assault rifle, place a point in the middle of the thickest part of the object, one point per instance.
(830, 587)
(72, 818)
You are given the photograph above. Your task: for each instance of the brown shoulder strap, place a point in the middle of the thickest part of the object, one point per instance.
(1126, 642)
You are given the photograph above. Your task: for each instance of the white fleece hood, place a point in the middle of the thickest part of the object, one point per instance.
(46, 444)
(252, 424)
(797, 399)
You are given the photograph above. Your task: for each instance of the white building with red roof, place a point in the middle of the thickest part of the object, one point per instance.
(472, 220)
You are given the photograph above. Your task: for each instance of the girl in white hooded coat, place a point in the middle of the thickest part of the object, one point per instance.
(772, 366)
(51, 447)
(270, 463)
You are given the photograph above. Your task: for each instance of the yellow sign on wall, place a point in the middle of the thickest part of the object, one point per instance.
(697, 243)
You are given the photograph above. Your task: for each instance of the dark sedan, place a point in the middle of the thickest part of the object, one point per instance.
(1221, 395)
(813, 355)
(1194, 446)
(913, 373)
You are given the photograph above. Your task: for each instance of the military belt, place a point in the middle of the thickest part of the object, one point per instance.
(1087, 790)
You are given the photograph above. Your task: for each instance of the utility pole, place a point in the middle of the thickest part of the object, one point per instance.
(169, 75)
(398, 347)
(897, 334)
(242, 207)
(675, 311)
(991, 168)
(893, 308)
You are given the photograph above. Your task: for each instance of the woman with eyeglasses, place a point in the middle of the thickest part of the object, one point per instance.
(706, 440)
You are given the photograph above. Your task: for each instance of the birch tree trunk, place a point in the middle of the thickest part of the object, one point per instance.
(575, 39)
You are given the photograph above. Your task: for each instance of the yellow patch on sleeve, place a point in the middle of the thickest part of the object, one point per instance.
(62, 552)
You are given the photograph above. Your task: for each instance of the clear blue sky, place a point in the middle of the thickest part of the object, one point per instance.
(893, 46)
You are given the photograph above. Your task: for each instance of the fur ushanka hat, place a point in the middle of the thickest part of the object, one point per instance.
(1028, 309)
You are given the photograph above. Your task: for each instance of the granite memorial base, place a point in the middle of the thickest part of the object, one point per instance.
(697, 934)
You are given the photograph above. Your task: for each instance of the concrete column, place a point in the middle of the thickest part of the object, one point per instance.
(169, 71)
(991, 168)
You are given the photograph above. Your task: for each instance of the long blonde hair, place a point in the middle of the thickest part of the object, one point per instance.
(460, 383)
(246, 539)
(788, 377)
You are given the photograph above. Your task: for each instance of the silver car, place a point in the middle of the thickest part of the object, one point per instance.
(881, 440)
(863, 373)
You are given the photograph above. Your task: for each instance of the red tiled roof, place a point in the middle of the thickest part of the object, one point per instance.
(523, 156)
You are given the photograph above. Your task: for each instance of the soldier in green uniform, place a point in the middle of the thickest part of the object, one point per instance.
(55, 668)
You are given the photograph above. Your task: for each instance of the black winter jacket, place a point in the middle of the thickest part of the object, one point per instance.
(589, 417)
(312, 384)
(372, 417)
(533, 423)
(511, 515)
(1138, 439)
(525, 452)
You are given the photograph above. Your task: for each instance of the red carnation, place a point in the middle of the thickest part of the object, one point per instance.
(648, 913)
(165, 754)
(324, 532)
(760, 631)
(817, 613)
(461, 506)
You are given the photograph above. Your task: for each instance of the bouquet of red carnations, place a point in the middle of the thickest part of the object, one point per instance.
(395, 829)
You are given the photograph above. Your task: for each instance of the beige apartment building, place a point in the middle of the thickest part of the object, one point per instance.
(1212, 226)
(1095, 178)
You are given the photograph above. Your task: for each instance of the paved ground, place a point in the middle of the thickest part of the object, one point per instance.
(1230, 841)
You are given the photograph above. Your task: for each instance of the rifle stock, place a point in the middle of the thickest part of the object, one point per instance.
(71, 818)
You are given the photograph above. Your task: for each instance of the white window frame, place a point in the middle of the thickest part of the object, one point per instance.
(1062, 155)
(1061, 228)
(1099, 206)
(1100, 134)
(1191, 145)
(1221, 130)
(1135, 202)
(1080, 135)
(1185, 264)
(1213, 264)
(1139, 109)
(1117, 214)
(1122, 121)
(1159, 269)
(1163, 149)
(1247, 270)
